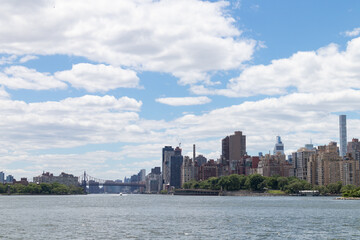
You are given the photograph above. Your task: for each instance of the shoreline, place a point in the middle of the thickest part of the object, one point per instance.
(347, 198)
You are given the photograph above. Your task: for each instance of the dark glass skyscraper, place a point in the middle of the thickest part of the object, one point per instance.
(167, 152)
(175, 168)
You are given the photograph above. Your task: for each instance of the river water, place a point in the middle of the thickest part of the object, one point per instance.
(177, 217)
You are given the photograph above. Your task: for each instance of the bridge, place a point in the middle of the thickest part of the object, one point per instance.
(88, 181)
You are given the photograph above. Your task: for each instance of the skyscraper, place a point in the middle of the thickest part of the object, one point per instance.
(342, 133)
(225, 151)
(167, 152)
(235, 145)
(279, 146)
(176, 161)
(2, 177)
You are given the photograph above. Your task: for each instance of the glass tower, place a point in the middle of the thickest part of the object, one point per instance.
(342, 133)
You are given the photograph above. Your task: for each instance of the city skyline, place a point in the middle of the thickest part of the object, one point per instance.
(103, 87)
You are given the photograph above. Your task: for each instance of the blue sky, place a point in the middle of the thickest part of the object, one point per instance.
(101, 86)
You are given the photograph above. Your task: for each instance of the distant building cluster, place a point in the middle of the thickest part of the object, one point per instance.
(63, 178)
(319, 166)
(9, 179)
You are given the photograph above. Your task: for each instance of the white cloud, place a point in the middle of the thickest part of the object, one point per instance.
(28, 58)
(7, 59)
(355, 32)
(93, 78)
(19, 77)
(3, 93)
(98, 78)
(184, 101)
(185, 38)
(68, 123)
(325, 70)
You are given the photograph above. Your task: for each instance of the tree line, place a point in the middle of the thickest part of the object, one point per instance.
(42, 188)
(257, 182)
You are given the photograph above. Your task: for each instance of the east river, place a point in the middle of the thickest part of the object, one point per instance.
(177, 217)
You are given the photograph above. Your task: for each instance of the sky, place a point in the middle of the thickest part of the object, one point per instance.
(102, 86)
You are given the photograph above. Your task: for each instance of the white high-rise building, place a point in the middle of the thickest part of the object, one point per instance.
(279, 146)
(342, 133)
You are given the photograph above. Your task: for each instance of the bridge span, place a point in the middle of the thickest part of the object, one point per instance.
(87, 181)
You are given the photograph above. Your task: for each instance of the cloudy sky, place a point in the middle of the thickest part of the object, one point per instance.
(102, 86)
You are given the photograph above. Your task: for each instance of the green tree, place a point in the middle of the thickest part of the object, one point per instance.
(322, 190)
(296, 185)
(334, 188)
(272, 182)
(33, 188)
(60, 189)
(348, 187)
(234, 182)
(282, 182)
(188, 185)
(45, 188)
(224, 182)
(3, 188)
(254, 182)
(214, 183)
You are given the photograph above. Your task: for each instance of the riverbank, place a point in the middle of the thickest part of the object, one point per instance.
(347, 198)
(251, 193)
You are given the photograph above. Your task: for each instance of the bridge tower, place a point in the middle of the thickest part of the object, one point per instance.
(84, 182)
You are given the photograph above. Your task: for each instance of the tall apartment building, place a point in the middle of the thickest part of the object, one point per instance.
(342, 135)
(323, 167)
(153, 181)
(200, 160)
(208, 170)
(233, 147)
(353, 148)
(237, 146)
(233, 151)
(300, 161)
(187, 170)
(271, 165)
(349, 171)
(142, 175)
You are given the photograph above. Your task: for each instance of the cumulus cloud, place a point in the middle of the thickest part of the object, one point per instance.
(7, 59)
(184, 101)
(67, 123)
(355, 32)
(3, 93)
(91, 77)
(28, 58)
(19, 77)
(325, 70)
(98, 78)
(185, 38)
